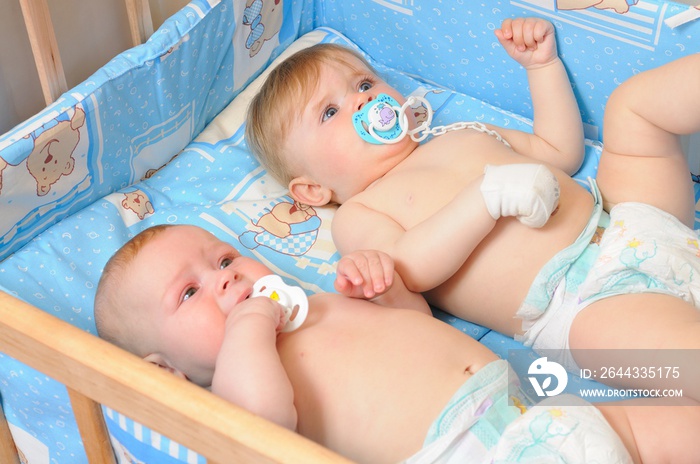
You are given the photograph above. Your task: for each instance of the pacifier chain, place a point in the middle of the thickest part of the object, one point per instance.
(383, 121)
(292, 299)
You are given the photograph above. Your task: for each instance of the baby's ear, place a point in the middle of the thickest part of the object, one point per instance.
(309, 192)
(160, 361)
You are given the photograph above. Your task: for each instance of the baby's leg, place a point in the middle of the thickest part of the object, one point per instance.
(642, 157)
(665, 433)
(644, 330)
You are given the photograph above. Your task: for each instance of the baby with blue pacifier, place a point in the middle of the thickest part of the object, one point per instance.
(487, 222)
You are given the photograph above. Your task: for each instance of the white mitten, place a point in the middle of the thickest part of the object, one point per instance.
(530, 192)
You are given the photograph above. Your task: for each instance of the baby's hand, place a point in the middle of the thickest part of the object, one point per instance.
(529, 41)
(529, 192)
(261, 307)
(364, 274)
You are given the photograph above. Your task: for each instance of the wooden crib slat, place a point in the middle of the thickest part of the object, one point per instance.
(140, 21)
(188, 414)
(8, 451)
(91, 423)
(42, 38)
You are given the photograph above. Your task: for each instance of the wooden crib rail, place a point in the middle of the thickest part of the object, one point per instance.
(42, 39)
(95, 371)
(140, 21)
(8, 452)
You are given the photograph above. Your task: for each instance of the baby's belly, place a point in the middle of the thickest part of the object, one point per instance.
(369, 381)
(495, 279)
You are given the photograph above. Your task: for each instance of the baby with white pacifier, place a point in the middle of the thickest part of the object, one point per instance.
(376, 384)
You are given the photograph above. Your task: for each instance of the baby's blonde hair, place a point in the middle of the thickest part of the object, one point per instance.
(115, 318)
(282, 98)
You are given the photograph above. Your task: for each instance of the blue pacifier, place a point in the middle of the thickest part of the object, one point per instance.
(377, 122)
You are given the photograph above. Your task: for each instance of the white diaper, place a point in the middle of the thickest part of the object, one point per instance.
(645, 250)
(482, 424)
(553, 301)
(637, 248)
(560, 429)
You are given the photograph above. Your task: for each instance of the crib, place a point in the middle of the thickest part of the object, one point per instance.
(155, 136)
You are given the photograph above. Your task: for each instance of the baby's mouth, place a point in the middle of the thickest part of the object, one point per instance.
(243, 296)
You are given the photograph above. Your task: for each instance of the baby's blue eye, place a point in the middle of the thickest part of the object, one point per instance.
(226, 262)
(329, 113)
(190, 292)
(365, 86)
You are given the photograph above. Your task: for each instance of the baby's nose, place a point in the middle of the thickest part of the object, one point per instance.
(364, 99)
(228, 291)
(226, 279)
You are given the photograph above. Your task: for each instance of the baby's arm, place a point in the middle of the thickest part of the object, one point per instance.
(370, 274)
(428, 253)
(557, 125)
(431, 251)
(249, 372)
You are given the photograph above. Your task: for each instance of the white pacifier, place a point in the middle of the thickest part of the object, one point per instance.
(292, 299)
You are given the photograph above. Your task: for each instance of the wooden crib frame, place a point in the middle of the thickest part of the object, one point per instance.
(42, 39)
(96, 372)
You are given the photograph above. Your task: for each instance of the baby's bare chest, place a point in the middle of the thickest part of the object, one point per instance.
(433, 175)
